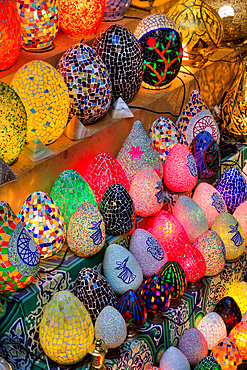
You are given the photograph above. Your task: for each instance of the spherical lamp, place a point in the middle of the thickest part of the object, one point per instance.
(239, 292)
(45, 97)
(227, 354)
(228, 309)
(193, 345)
(213, 328)
(115, 10)
(10, 34)
(81, 19)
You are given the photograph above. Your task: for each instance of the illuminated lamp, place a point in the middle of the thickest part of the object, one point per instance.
(227, 354)
(175, 277)
(39, 24)
(44, 222)
(228, 309)
(115, 9)
(46, 100)
(239, 293)
(69, 191)
(161, 45)
(156, 295)
(122, 55)
(213, 328)
(19, 254)
(87, 81)
(244, 318)
(66, 329)
(173, 358)
(80, 20)
(201, 30)
(133, 310)
(208, 363)
(240, 214)
(193, 345)
(238, 335)
(210, 201)
(13, 124)
(102, 172)
(10, 34)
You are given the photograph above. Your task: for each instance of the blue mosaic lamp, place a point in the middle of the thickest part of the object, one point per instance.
(115, 9)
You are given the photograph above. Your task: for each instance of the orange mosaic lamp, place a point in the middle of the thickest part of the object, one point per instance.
(227, 354)
(239, 336)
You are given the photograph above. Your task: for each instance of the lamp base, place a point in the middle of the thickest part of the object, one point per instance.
(193, 286)
(41, 50)
(175, 302)
(155, 318)
(113, 353)
(234, 260)
(131, 333)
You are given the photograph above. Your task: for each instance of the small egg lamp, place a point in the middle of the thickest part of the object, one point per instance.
(39, 24)
(133, 310)
(115, 10)
(240, 214)
(208, 363)
(123, 58)
(175, 277)
(66, 330)
(69, 191)
(10, 34)
(193, 345)
(13, 124)
(213, 328)
(156, 295)
(86, 231)
(4, 364)
(239, 336)
(227, 354)
(239, 292)
(80, 20)
(46, 100)
(19, 254)
(201, 30)
(228, 309)
(173, 358)
(161, 45)
(94, 291)
(102, 172)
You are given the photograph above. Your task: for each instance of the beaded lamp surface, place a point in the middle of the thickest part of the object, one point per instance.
(193, 345)
(132, 308)
(45, 97)
(13, 124)
(175, 277)
(227, 354)
(238, 335)
(192, 262)
(228, 309)
(115, 9)
(213, 328)
(208, 363)
(19, 254)
(10, 34)
(161, 45)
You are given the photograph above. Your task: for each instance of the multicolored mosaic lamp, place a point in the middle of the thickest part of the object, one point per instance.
(228, 309)
(44, 222)
(87, 81)
(213, 328)
(115, 9)
(39, 24)
(239, 292)
(13, 124)
(10, 34)
(227, 354)
(175, 277)
(69, 191)
(161, 45)
(201, 30)
(19, 254)
(238, 335)
(66, 330)
(45, 97)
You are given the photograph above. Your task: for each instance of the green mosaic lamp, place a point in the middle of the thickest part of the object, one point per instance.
(69, 191)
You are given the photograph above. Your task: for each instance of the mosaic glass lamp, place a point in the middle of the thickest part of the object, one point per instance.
(227, 354)
(10, 34)
(161, 45)
(239, 292)
(208, 363)
(213, 328)
(81, 20)
(228, 309)
(175, 277)
(115, 9)
(46, 100)
(201, 30)
(19, 254)
(238, 335)
(39, 24)
(13, 124)
(44, 222)
(66, 330)
(156, 295)
(240, 214)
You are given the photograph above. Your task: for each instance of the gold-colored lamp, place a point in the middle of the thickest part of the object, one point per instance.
(98, 350)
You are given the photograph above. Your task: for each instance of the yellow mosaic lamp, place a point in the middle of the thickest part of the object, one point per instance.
(239, 293)
(66, 331)
(46, 99)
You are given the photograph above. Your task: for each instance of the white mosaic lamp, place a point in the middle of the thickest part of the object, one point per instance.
(213, 328)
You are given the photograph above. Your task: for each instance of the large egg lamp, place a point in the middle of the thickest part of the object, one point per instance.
(175, 277)
(210, 201)
(10, 34)
(122, 55)
(19, 254)
(238, 335)
(69, 191)
(80, 19)
(87, 81)
(213, 328)
(172, 359)
(233, 188)
(201, 30)
(161, 45)
(66, 330)
(115, 9)
(231, 233)
(102, 172)
(240, 214)
(39, 24)
(86, 231)
(239, 293)
(208, 363)
(94, 291)
(228, 309)
(44, 222)
(227, 354)
(13, 124)
(45, 97)
(193, 345)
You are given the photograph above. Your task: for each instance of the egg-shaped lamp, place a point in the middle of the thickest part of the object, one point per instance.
(228, 309)
(213, 328)
(239, 292)
(173, 358)
(227, 354)
(193, 345)
(208, 363)
(238, 335)
(115, 9)
(4, 364)
(46, 100)
(240, 214)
